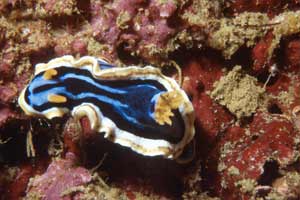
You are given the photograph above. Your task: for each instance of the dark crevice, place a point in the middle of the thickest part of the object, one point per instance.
(13, 145)
(245, 121)
(274, 109)
(124, 50)
(169, 71)
(156, 170)
(254, 137)
(241, 57)
(200, 86)
(270, 173)
(266, 77)
(14, 134)
(84, 8)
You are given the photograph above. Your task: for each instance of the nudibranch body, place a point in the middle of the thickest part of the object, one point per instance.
(136, 107)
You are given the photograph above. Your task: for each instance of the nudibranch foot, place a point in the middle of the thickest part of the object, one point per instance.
(136, 107)
(91, 112)
(188, 153)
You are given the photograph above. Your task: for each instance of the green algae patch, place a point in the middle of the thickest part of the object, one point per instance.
(195, 196)
(246, 185)
(232, 33)
(202, 13)
(58, 8)
(286, 97)
(287, 23)
(238, 92)
(123, 19)
(233, 171)
(286, 187)
(95, 48)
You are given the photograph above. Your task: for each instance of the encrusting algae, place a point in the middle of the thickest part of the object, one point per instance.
(155, 32)
(238, 92)
(232, 33)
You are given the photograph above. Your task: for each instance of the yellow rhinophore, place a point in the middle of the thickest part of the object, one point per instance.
(49, 74)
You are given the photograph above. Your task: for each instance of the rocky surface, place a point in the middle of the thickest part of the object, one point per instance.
(247, 119)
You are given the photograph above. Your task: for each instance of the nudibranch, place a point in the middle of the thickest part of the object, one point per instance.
(136, 107)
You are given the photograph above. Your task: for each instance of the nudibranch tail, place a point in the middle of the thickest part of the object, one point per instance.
(136, 107)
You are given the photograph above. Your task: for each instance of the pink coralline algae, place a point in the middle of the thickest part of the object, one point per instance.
(134, 25)
(60, 176)
(235, 159)
(5, 114)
